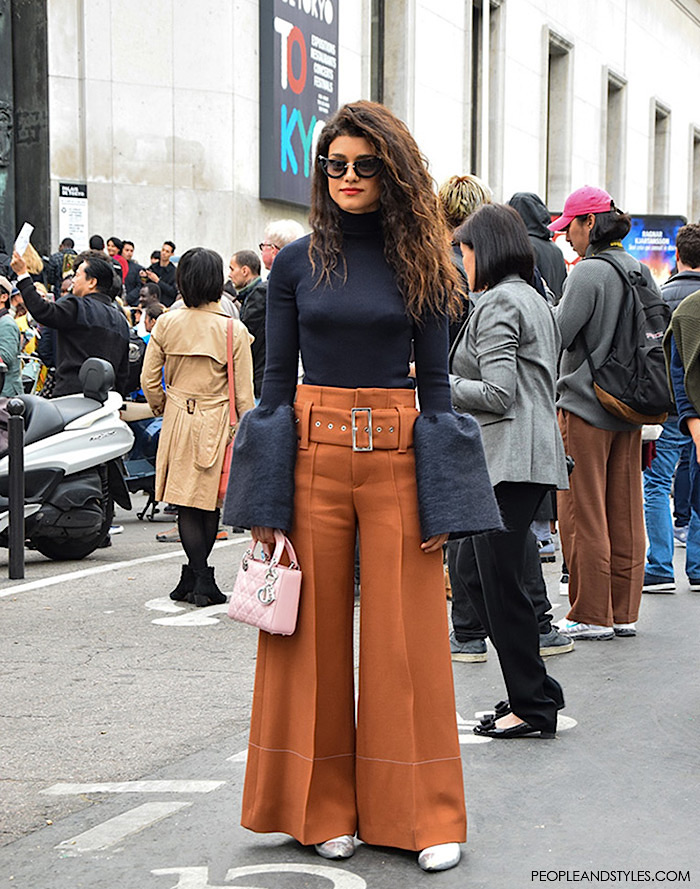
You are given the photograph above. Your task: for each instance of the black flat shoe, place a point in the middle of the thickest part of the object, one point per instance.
(522, 730)
(502, 708)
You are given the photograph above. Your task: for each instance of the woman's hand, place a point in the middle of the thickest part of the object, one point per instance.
(432, 544)
(19, 266)
(263, 534)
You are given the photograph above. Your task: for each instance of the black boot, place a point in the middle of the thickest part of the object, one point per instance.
(205, 591)
(184, 586)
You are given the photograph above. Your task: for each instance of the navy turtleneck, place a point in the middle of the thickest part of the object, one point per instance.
(353, 334)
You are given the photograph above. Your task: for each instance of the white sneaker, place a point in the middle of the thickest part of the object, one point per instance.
(564, 585)
(625, 629)
(577, 630)
(441, 857)
(337, 848)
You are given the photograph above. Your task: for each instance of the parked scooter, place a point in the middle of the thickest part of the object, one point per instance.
(73, 472)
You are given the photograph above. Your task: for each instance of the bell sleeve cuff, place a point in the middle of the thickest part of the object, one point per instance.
(455, 494)
(261, 484)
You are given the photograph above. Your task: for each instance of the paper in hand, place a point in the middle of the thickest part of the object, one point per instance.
(23, 238)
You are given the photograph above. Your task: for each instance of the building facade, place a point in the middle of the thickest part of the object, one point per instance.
(156, 107)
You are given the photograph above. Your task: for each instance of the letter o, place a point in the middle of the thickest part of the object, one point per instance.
(296, 83)
(328, 12)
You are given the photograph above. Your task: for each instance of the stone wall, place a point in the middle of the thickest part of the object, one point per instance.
(155, 104)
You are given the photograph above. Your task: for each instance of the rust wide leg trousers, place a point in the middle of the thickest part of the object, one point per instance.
(394, 775)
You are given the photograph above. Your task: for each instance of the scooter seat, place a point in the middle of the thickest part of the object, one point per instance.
(44, 417)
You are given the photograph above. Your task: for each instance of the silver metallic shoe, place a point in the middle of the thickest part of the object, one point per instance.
(337, 848)
(441, 857)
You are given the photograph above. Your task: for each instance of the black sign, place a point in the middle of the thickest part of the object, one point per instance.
(71, 190)
(298, 91)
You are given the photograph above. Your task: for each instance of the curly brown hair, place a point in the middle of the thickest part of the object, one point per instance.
(416, 239)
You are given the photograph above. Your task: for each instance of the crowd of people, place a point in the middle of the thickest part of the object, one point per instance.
(398, 291)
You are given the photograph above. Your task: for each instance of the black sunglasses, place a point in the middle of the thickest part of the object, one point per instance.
(364, 167)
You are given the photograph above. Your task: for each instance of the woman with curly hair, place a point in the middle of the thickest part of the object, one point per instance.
(372, 278)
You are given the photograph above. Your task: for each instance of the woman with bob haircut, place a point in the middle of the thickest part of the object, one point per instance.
(504, 373)
(350, 451)
(190, 344)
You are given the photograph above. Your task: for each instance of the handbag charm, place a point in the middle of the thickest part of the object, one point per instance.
(266, 593)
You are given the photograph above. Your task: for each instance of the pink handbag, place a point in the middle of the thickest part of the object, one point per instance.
(266, 594)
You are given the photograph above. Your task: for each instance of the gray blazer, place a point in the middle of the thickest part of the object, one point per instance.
(503, 372)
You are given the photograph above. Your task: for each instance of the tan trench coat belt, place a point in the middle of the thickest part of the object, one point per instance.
(359, 428)
(207, 423)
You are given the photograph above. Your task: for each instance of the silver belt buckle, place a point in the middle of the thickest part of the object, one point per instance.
(368, 428)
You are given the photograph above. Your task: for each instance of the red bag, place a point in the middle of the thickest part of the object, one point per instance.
(233, 419)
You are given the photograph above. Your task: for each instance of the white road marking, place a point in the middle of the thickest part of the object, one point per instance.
(202, 617)
(62, 789)
(474, 739)
(198, 877)
(190, 877)
(99, 569)
(238, 757)
(340, 879)
(116, 829)
(164, 603)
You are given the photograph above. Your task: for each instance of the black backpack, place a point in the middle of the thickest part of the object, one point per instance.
(137, 349)
(631, 382)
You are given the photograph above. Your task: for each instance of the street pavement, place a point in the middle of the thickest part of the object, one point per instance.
(123, 735)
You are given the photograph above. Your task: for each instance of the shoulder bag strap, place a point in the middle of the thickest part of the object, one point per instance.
(627, 287)
(233, 417)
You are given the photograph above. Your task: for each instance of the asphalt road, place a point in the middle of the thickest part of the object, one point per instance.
(105, 684)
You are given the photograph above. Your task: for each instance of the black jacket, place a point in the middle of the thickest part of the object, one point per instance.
(88, 326)
(678, 286)
(548, 257)
(166, 282)
(253, 302)
(132, 283)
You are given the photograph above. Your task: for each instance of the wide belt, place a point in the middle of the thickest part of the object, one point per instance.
(360, 428)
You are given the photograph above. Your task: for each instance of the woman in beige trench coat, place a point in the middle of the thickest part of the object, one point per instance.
(190, 346)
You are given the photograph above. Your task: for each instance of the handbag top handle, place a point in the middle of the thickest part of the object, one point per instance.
(282, 542)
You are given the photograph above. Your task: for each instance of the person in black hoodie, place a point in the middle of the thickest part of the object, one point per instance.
(548, 257)
(88, 322)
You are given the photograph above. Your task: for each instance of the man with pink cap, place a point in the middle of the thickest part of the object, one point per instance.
(601, 515)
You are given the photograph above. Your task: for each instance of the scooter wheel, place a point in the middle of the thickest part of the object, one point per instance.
(64, 549)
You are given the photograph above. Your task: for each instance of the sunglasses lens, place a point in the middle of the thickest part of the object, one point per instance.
(368, 166)
(333, 168)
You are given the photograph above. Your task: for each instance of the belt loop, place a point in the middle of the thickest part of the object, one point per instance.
(404, 430)
(304, 423)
